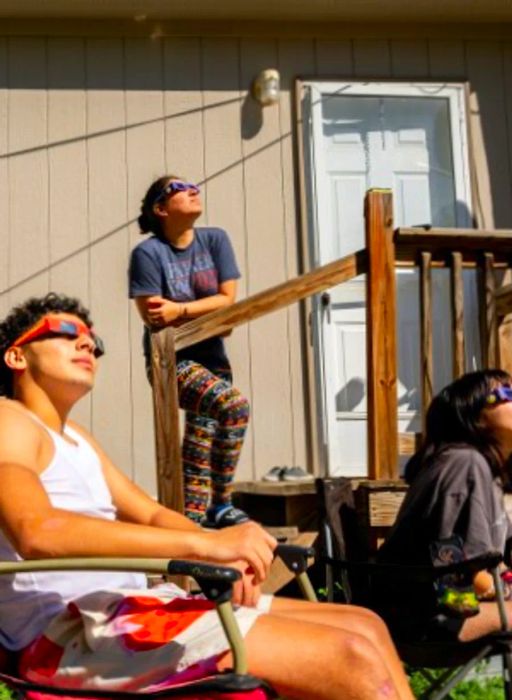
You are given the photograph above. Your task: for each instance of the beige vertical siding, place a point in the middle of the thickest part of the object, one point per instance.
(86, 124)
(4, 189)
(294, 58)
(27, 168)
(224, 188)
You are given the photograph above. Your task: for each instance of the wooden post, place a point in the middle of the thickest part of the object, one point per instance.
(381, 337)
(504, 313)
(426, 362)
(487, 310)
(167, 425)
(457, 304)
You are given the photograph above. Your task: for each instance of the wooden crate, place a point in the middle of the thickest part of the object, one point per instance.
(377, 505)
(279, 504)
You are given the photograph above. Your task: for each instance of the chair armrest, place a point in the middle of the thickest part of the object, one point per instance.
(147, 565)
(294, 556)
(420, 572)
(296, 560)
(216, 582)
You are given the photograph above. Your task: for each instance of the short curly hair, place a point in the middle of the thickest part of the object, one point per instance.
(23, 317)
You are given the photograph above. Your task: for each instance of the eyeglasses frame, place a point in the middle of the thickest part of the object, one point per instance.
(500, 394)
(176, 186)
(54, 326)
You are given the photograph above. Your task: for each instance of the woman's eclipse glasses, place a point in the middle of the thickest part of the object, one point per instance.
(500, 395)
(53, 326)
(176, 186)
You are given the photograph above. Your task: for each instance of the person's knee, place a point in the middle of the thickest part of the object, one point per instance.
(356, 649)
(375, 628)
(243, 408)
(235, 411)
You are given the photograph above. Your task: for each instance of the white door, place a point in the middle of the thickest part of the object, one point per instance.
(410, 138)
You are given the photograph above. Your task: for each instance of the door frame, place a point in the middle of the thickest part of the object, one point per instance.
(317, 453)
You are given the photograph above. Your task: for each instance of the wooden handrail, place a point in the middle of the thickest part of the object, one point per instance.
(473, 238)
(165, 343)
(454, 248)
(441, 242)
(272, 299)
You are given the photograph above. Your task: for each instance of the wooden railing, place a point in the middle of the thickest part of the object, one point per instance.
(426, 248)
(385, 250)
(504, 313)
(166, 342)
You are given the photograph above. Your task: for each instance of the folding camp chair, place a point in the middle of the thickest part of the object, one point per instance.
(347, 561)
(215, 583)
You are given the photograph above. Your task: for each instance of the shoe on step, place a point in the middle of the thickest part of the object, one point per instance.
(274, 474)
(296, 474)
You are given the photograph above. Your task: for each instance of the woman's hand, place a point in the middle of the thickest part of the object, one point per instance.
(162, 312)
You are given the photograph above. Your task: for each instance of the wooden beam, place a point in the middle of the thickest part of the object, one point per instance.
(284, 294)
(476, 239)
(487, 311)
(166, 415)
(504, 300)
(426, 363)
(381, 337)
(408, 443)
(440, 242)
(457, 308)
(505, 343)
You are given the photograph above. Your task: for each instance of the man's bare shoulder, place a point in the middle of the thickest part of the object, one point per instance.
(11, 410)
(21, 437)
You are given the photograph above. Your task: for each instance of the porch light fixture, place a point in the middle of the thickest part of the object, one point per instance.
(265, 87)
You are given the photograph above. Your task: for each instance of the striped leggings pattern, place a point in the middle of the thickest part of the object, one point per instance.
(216, 418)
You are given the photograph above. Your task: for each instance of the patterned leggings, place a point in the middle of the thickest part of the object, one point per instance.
(216, 418)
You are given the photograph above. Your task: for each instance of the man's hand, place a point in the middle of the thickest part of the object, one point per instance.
(248, 543)
(246, 591)
(162, 312)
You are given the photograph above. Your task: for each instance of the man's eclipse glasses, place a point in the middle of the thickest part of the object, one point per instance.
(53, 326)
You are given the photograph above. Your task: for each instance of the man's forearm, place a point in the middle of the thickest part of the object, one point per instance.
(171, 520)
(65, 534)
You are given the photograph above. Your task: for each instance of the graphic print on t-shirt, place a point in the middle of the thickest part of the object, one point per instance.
(192, 277)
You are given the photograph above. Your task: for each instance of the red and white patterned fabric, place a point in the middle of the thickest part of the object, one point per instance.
(132, 640)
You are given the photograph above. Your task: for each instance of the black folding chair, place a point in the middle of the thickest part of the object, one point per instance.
(346, 561)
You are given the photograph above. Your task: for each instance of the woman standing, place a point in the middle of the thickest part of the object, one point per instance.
(179, 273)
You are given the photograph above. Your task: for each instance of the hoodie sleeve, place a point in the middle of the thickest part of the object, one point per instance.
(468, 504)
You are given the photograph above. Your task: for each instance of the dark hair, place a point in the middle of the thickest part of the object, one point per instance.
(148, 221)
(23, 317)
(454, 417)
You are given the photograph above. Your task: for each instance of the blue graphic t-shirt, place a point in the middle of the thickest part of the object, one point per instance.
(185, 274)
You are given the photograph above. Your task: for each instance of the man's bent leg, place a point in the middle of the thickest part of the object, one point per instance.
(350, 618)
(310, 661)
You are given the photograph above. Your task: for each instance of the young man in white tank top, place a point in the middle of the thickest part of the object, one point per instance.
(60, 495)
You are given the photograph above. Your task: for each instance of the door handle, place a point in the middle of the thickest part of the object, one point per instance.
(325, 302)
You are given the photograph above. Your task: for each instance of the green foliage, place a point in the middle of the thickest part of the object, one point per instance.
(479, 688)
(338, 593)
(5, 693)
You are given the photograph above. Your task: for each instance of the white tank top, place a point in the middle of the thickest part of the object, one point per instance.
(74, 481)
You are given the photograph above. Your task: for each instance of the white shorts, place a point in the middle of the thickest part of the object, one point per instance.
(140, 639)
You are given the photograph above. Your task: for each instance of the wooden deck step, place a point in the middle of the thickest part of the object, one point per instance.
(279, 504)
